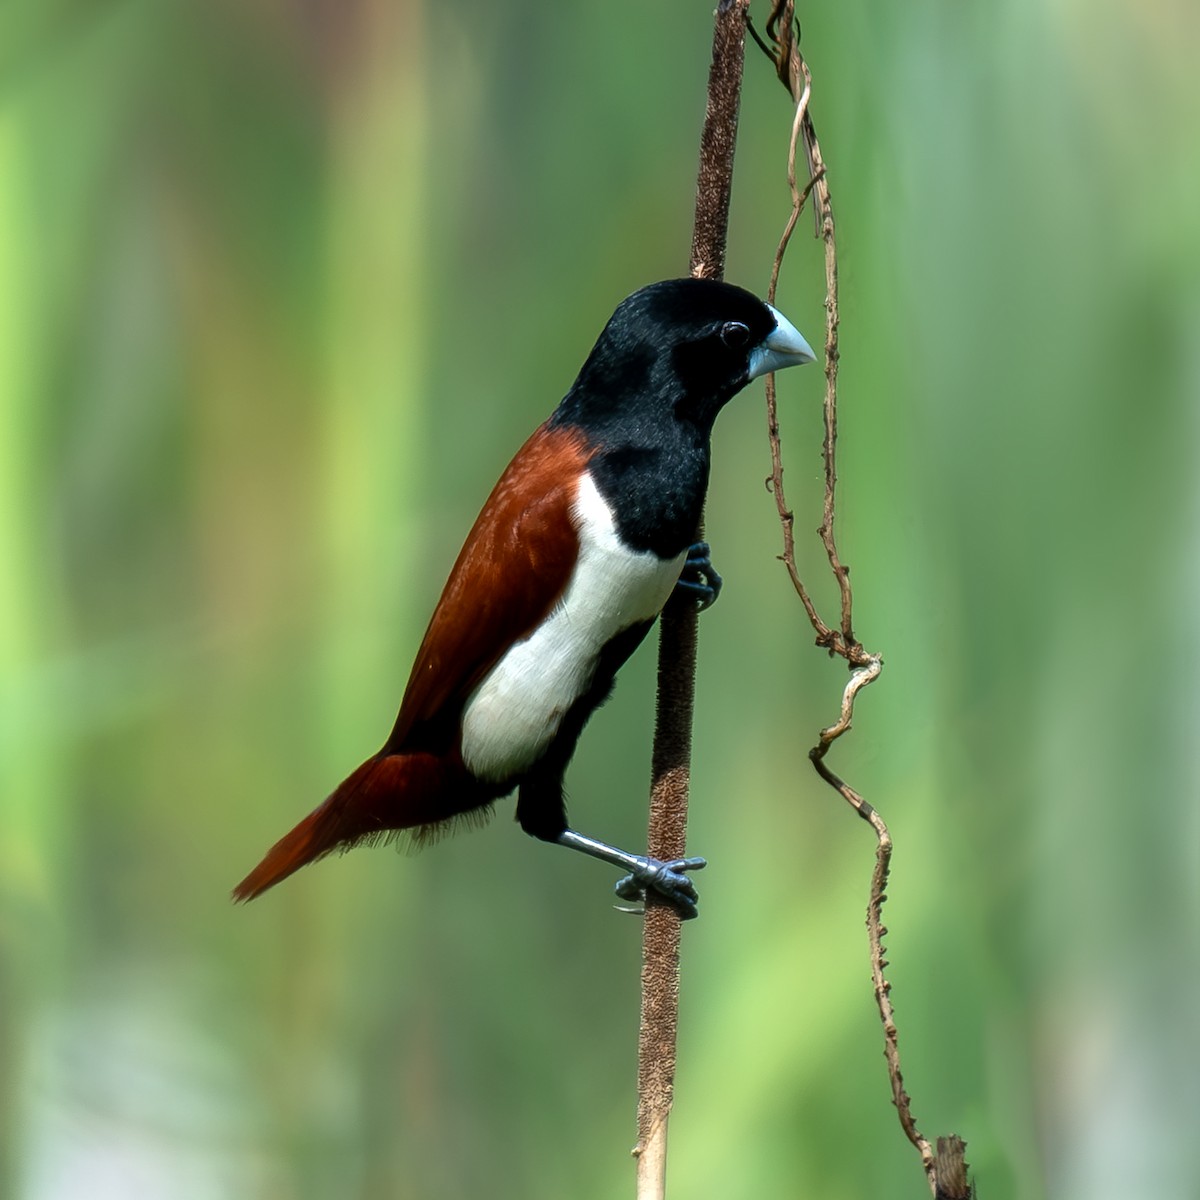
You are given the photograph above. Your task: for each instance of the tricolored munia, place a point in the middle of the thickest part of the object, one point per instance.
(575, 552)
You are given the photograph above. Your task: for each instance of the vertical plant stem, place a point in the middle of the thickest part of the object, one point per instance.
(671, 760)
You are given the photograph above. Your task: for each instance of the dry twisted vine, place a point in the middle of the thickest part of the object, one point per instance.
(945, 1170)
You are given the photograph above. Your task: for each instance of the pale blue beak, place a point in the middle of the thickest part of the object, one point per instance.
(783, 347)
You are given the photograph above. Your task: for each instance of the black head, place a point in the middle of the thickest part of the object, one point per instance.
(680, 349)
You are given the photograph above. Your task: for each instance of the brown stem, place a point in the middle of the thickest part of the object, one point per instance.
(942, 1171)
(671, 763)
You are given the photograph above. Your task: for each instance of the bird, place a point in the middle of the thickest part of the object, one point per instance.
(583, 540)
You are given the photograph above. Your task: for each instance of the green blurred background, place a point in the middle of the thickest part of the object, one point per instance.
(282, 286)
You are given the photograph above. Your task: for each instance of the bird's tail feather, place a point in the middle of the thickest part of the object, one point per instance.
(387, 795)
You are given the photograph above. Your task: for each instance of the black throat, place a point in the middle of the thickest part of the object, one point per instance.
(651, 467)
(656, 492)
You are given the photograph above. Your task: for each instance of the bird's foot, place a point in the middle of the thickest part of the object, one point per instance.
(645, 873)
(666, 878)
(699, 577)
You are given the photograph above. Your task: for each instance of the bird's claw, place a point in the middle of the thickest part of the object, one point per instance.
(666, 878)
(699, 577)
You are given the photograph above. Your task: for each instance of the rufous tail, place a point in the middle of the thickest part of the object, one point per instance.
(388, 793)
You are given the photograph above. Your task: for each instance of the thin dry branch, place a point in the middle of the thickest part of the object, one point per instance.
(946, 1175)
(671, 759)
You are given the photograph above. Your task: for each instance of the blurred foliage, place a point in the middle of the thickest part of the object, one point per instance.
(282, 286)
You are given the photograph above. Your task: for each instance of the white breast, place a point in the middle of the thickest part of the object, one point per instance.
(514, 713)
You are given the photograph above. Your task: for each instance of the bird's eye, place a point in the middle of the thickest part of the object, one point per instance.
(735, 335)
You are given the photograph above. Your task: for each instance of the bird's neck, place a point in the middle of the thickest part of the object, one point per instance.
(655, 485)
(651, 447)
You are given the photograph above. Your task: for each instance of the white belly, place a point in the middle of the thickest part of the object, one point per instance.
(514, 713)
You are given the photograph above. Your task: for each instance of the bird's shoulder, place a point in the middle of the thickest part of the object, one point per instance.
(512, 570)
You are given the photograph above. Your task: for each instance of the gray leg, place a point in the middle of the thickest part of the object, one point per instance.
(666, 878)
